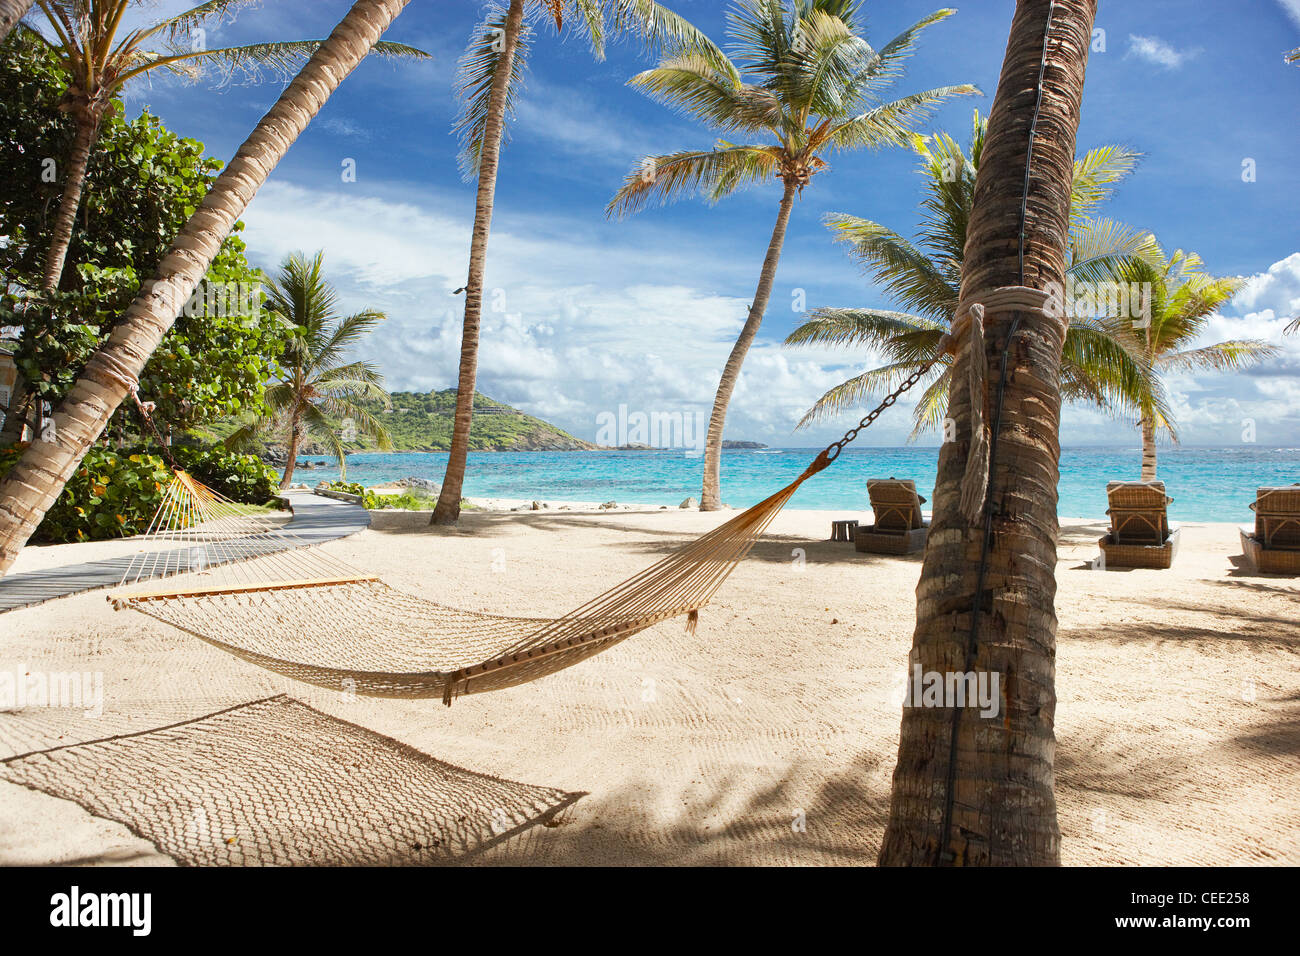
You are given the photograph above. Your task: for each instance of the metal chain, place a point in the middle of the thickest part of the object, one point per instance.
(872, 415)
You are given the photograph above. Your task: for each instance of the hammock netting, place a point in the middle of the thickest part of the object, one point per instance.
(277, 783)
(241, 580)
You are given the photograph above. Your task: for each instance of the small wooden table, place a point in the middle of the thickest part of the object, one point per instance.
(843, 530)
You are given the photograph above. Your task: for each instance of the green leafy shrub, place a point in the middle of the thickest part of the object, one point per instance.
(406, 502)
(239, 477)
(347, 487)
(111, 495)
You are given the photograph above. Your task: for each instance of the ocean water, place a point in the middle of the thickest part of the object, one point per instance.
(1207, 484)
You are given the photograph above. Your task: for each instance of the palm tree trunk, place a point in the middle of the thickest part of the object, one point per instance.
(32, 485)
(447, 510)
(11, 11)
(1148, 449)
(710, 494)
(88, 122)
(292, 461)
(971, 790)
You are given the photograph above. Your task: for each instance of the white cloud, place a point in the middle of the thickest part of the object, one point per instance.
(581, 317)
(1274, 294)
(1157, 51)
(1292, 9)
(345, 127)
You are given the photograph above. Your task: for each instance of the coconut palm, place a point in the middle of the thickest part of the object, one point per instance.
(1100, 365)
(971, 790)
(37, 478)
(99, 62)
(490, 83)
(1183, 297)
(815, 88)
(11, 11)
(320, 390)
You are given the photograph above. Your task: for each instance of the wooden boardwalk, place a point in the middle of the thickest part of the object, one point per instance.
(315, 520)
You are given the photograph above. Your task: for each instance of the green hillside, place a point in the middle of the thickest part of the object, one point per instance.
(421, 421)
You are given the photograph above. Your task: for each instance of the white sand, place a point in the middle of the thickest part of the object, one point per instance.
(1178, 718)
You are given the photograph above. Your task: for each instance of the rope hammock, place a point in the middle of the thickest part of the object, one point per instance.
(255, 589)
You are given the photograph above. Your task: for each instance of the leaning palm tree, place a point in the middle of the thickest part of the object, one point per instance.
(490, 83)
(99, 62)
(1100, 365)
(970, 790)
(38, 477)
(11, 11)
(816, 89)
(1182, 299)
(320, 388)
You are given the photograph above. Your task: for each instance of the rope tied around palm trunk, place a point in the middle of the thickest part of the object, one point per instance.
(972, 317)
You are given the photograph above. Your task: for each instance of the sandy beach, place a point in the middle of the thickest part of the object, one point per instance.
(767, 738)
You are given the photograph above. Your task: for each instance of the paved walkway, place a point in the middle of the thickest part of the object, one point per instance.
(315, 520)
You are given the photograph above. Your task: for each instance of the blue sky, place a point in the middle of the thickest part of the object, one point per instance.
(596, 314)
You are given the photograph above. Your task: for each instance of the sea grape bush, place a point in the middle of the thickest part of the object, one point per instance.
(112, 494)
(116, 492)
(244, 478)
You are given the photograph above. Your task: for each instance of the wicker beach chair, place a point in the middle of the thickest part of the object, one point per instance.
(1140, 533)
(1272, 544)
(899, 527)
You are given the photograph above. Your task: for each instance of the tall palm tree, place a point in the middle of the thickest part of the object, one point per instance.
(35, 481)
(970, 790)
(320, 388)
(11, 11)
(100, 58)
(1183, 297)
(816, 89)
(490, 83)
(99, 63)
(1100, 365)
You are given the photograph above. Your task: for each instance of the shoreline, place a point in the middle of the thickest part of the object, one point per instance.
(1207, 485)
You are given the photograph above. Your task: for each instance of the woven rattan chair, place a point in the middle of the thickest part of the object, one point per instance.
(1272, 544)
(1140, 533)
(899, 526)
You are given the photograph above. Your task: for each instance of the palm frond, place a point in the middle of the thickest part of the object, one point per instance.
(477, 69)
(1096, 174)
(365, 423)
(889, 124)
(887, 64)
(871, 328)
(907, 274)
(1102, 364)
(1228, 356)
(856, 391)
(282, 58)
(179, 28)
(662, 31)
(931, 406)
(315, 423)
(693, 85)
(1101, 250)
(714, 172)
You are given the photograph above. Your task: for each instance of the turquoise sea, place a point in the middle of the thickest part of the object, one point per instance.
(1207, 484)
